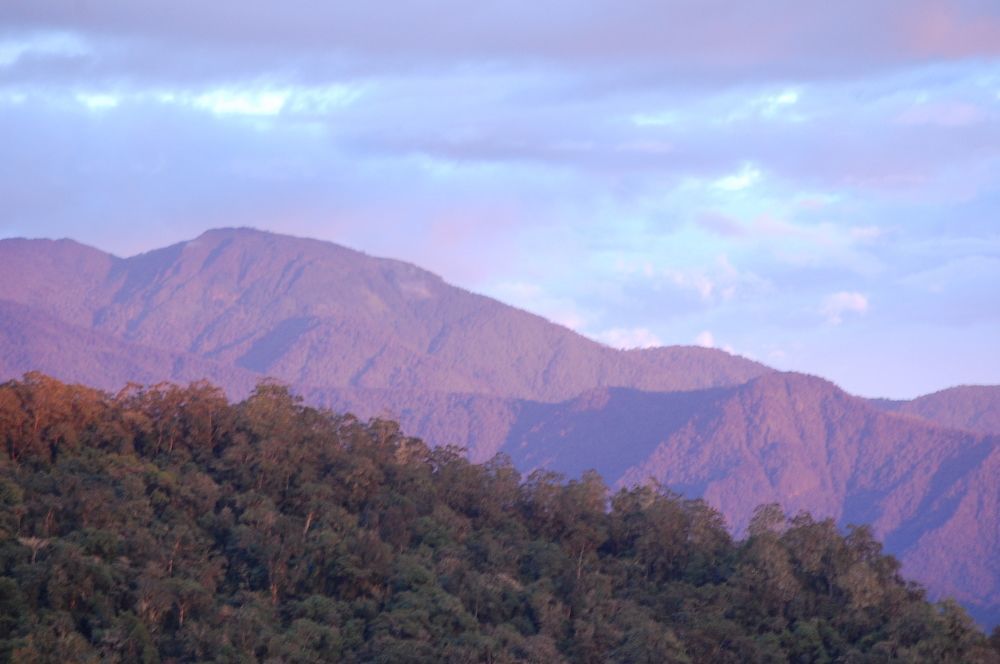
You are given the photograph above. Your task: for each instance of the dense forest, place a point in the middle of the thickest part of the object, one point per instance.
(166, 524)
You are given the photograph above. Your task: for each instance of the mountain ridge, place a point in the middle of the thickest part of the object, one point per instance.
(316, 313)
(382, 337)
(972, 407)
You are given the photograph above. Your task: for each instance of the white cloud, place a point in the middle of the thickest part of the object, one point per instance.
(696, 281)
(746, 177)
(323, 99)
(12, 98)
(721, 281)
(660, 119)
(705, 339)
(772, 104)
(242, 102)
(262, 100)
(51, 43)
(836, 305)
(637, 337)
(787, 97)
(98, 101)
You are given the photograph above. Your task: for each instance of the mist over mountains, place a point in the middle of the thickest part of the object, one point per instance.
(381, 337)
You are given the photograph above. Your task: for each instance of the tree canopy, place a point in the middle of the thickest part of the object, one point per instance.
(166, 524)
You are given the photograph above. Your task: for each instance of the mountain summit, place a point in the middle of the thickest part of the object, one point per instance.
(317, 314)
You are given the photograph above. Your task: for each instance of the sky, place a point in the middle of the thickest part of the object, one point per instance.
(814, 185)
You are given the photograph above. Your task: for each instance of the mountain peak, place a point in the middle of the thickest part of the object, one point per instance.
(321, 315)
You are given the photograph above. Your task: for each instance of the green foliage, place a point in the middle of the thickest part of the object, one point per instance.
(165, 525)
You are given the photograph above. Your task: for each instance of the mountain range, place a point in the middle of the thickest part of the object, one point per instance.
(381, 337)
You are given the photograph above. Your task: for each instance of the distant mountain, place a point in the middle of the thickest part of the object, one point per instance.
(380, 337)
(972, 407)
(317, 314)
(31, 340)
(930, 492)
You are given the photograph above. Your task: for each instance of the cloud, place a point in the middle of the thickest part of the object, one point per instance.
(98, 101)
(944, 113)
(243, 103)
(657, 119)
(719, 281)
(705, 339)
(747, 176)
(720, 224)
(40, 44)
(625, 338)
(976, 270)
(836, 305)
(699, 282)
(776, 40)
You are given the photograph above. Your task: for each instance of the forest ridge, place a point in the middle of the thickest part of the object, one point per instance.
(167, 524)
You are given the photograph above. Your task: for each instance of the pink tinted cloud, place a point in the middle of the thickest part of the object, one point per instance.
(945, 114)
(935, 28)
(641, 40)
(720, 224)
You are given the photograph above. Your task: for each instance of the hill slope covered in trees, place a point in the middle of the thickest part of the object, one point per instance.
(167, 524)
(971, 407)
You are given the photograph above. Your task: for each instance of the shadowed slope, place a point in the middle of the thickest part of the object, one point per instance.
(63, 278)
(972, 407)
(800, 441)
(31, 340)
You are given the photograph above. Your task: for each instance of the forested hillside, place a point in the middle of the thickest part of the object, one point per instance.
(166, 524)
(972, 407)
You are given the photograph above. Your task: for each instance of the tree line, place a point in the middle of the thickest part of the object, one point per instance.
(166, 524)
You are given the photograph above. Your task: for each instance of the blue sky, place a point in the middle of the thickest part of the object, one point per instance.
(814, 185)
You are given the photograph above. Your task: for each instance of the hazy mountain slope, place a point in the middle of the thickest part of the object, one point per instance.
(609, 439)
(957, 552)
(972, 407)
(314, 313)
(480, 424)
(31, 340)
(930, 492)
(60, 277)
